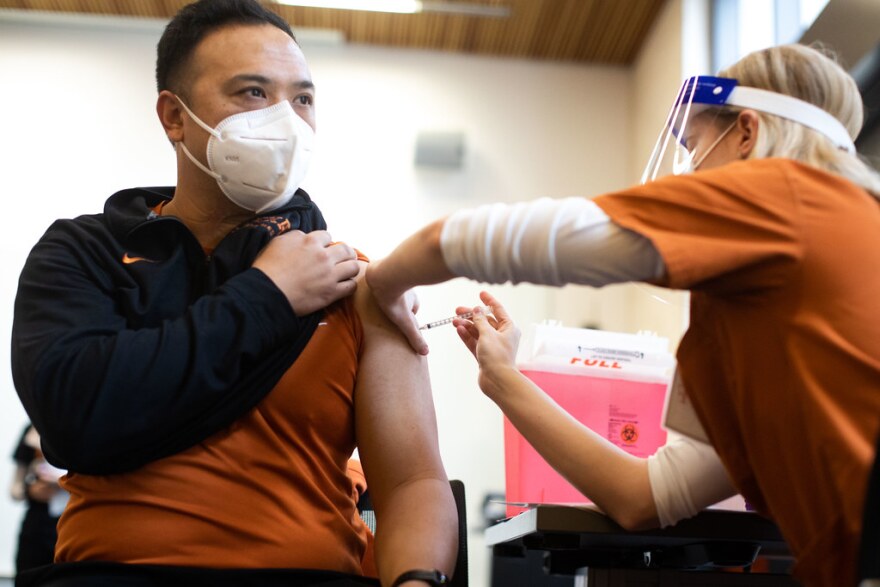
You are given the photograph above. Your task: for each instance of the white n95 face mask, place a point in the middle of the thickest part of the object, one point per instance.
(259, 158)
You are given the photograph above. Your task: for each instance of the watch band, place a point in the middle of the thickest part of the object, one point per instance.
(432, 577)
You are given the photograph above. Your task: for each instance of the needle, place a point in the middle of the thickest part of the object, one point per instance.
(431, 325)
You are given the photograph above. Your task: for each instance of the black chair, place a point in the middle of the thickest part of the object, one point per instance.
(460, 578)
(869, 554)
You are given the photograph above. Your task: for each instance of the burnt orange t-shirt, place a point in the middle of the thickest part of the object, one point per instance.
(272, 491)
(782, 356)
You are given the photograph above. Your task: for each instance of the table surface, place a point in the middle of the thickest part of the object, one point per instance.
(567, 527)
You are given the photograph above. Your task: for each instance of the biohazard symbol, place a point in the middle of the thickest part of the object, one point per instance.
(629, 433)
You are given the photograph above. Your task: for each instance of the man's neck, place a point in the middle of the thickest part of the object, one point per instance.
(207, 213)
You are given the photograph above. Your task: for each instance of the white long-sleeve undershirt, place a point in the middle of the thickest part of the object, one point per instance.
(546, 241)
(686, 476)
(571, 240)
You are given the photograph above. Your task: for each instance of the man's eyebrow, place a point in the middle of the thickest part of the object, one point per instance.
(305, 84)
(251, 77)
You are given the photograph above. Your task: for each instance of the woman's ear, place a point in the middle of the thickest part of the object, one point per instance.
(170, 115)
(748, 123)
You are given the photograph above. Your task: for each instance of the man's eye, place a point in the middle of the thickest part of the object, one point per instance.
(255, 92)
(305, 100)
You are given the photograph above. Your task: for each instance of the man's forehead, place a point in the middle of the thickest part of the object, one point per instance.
(254, 49)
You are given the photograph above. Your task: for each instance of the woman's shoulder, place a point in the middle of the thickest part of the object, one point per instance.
(781, 168)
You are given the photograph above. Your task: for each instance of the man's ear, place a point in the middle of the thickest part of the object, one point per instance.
(170, 115)
(748, 123)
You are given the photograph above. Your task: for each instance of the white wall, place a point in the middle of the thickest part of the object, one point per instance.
(78, 108)
(676, 47)
(79, 124)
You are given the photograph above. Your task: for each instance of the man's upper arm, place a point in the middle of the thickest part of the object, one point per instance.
(394, 408)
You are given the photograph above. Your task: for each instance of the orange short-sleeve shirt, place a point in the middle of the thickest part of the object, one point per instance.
(782, 356)
(271, 491)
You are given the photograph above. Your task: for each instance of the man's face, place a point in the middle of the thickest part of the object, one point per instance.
(240, 68)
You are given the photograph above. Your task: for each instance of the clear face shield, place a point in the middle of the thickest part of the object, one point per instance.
(699, 104)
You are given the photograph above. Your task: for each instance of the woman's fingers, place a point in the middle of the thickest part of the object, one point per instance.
(468, 337)
(468, 326)
(480, 320)
(497, 309)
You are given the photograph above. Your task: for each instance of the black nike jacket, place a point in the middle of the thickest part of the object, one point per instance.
(129, 343)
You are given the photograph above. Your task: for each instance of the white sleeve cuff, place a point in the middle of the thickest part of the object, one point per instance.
(686, 476)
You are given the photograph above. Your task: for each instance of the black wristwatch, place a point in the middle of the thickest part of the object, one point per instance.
(432, 577)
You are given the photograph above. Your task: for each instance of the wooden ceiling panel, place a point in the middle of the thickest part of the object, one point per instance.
(588, 31)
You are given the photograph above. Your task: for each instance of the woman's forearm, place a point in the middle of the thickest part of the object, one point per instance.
(416, 261)
(616, 481)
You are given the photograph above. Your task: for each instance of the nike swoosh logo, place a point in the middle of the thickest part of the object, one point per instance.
(129, 260)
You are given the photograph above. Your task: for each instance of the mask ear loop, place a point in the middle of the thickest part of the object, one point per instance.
(711, 148)
(198, 120)
(207, 129)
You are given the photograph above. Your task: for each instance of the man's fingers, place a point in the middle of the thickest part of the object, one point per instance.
(293, 235)
(340, 252)
(346, 270)
(346, 287)
(321, 237)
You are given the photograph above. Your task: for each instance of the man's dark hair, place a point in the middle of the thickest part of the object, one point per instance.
(194, 22)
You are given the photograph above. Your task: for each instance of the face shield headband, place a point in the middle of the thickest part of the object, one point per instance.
(699, 93)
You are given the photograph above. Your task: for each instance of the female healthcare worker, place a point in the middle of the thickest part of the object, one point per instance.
(778, 239)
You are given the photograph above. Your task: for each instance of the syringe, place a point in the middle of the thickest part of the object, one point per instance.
(430, 325)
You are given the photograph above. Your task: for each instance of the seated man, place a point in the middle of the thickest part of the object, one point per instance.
(173, 353)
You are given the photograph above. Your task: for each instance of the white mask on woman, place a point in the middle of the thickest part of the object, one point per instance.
(689, 165)
(259, 158)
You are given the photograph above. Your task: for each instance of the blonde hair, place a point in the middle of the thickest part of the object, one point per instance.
(813, 76)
